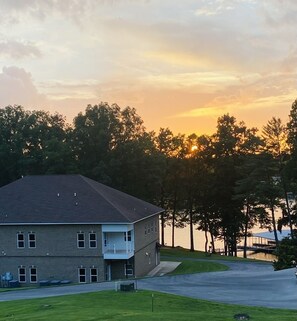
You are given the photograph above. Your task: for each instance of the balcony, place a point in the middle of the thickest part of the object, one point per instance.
(118, 252)
(118, 244)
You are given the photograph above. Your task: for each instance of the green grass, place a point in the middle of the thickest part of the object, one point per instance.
(179, 252)
(109, 305)
(188, 266)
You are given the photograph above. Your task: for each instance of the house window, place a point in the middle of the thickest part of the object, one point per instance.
(128, 269)
(22, 274)
(80, 240)
(93, 274)
(33, 274)
(92, 240)
(31, 240)
(20, 241)
(127, 236)
(82, 275)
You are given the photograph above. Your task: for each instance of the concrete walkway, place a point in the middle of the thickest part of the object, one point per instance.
(163, 268)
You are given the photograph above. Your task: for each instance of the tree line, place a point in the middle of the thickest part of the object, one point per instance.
(222, 184)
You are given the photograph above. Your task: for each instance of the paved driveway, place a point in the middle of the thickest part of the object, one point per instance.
(245, 283)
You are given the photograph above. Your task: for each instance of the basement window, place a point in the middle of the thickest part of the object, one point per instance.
(93, 274)
(82, 275)
(33, 275)
(22, 274)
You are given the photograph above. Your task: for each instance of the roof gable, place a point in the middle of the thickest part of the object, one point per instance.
(69, 199)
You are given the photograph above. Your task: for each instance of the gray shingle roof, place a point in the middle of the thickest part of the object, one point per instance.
(70, 199)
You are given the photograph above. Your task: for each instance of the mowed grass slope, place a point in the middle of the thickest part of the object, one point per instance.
(188, 267)
(185, 253)
(140, 305)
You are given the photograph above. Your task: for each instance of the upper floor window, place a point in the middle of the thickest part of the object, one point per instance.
(20, 240)
(31, 240)
(92, 240)
(80, 240)
(128, 236)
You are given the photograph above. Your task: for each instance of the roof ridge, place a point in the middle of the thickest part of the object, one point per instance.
(107, 200)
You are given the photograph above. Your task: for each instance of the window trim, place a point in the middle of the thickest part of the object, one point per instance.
(93, 275)
(83, 240)
(32, 241)
(32, 274)
(19, 241)
(22, 274)
(128, 236)
(82, 275)
(129, 268)
(91, 241)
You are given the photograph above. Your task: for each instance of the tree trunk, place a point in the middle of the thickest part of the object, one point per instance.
(173, 229)
(162, 217)
(289, 214)
(173, 219)
(191, 230)
(274, 226)
(162, 229)
(246, 231)
(206, 242)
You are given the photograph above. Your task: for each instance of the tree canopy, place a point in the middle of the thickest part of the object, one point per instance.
(223, 184)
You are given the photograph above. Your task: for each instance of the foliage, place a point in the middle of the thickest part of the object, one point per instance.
(286, 253)
(222, 184)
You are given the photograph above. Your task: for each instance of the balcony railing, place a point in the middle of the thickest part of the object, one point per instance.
(116, 251)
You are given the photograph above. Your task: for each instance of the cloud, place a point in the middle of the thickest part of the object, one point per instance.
(251, 94)
(17, 87)
(15, 10)
(18, 50)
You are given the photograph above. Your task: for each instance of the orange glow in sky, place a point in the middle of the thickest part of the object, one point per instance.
(181, 64)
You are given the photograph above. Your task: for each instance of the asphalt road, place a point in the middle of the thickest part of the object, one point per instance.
(251, 284)
(245, 283)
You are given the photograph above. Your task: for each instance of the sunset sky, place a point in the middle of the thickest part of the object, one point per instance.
(180, 63)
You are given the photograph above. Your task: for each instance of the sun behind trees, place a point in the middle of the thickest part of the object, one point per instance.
(223, 184)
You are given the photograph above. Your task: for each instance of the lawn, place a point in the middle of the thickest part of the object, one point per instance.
(140, 305)
(188, 266)
(179, 252)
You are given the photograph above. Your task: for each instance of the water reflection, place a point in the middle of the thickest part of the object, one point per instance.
(182, 238)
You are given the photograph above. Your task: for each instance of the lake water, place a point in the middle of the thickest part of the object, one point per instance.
(182, 238)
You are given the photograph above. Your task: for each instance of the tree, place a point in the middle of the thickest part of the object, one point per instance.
(171, 151)
(231, 142)
(291, 168)
(246, 191)
(286, 253)
(26, 143)
(275, 139)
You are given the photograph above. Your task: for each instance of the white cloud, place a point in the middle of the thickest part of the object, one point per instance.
(17, 87)
(18, 50)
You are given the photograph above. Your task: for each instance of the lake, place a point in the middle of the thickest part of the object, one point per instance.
(182, 238)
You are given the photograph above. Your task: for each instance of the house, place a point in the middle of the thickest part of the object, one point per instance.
(70, 227)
